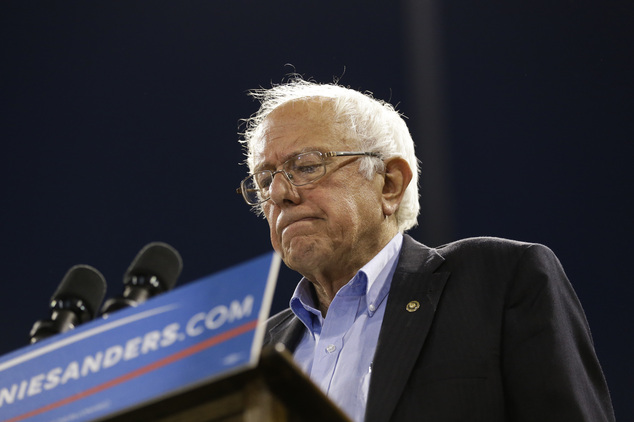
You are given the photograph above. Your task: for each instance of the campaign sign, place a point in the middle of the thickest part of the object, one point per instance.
(206, 329)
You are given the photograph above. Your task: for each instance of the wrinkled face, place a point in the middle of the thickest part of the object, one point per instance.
(328, 226)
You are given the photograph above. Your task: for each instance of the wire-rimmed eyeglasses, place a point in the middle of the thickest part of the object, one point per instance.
(300, 170)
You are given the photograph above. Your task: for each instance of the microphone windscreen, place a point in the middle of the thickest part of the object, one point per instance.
(158, 259)
(82, 282)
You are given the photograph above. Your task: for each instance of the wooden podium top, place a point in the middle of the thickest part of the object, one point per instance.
(276, 390)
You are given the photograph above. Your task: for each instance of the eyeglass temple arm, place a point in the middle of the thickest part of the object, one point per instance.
(347, 154)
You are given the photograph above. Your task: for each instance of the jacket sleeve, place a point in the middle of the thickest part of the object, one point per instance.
(550, 368)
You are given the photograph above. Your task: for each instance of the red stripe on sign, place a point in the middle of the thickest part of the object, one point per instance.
(198, 347)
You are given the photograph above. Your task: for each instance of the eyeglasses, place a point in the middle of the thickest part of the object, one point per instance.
(300, 170)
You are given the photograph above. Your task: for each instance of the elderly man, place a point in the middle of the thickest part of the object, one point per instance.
(477, 330)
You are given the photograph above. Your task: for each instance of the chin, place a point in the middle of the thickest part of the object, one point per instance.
(302, 256)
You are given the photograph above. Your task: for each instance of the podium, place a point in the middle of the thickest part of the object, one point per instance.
(274, 391)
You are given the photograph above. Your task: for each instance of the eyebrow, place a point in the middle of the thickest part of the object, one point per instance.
(285, 158)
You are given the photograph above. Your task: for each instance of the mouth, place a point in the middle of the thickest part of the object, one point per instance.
(296, 223)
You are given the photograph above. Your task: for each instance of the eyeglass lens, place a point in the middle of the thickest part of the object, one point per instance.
(300, 170)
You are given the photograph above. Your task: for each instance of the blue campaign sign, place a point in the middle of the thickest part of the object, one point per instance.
(204, 330)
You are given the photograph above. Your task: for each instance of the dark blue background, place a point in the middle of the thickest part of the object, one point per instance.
(118, 123)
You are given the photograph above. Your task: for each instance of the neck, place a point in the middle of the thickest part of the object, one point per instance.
(327, 285)
(326, 293)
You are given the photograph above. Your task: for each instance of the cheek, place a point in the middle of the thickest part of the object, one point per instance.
(346, 216)
(270, 219)
(362, 209)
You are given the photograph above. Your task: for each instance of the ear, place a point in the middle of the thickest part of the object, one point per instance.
(397, 176)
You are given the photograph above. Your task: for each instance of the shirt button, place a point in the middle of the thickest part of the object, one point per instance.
(372, 308)
(331, 348)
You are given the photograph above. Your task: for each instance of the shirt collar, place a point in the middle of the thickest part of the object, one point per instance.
(379, 272)
(382, 265)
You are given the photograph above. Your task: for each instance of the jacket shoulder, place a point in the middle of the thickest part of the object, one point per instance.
(491, 245)
(485, 242)
(494, 255)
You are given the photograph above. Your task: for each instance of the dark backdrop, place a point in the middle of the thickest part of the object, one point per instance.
(119, 118)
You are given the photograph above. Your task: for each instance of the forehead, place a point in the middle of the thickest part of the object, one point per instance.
(295, 127)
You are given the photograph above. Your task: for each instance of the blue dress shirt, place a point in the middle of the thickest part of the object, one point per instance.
(337, 351)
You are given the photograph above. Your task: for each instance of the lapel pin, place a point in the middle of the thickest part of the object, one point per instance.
(412, 306)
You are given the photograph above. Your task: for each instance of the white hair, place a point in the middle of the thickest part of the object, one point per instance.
(375, 124)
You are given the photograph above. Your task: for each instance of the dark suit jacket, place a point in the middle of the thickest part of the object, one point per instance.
(499, 336)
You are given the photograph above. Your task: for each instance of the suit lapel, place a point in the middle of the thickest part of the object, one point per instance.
(288, 331)
(405, 326)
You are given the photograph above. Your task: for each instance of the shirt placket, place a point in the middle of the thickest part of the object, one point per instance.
(330, 345)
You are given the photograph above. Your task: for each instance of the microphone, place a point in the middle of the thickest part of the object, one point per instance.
(154, 270)
(75, 301)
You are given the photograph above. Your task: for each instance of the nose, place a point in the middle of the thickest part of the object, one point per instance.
(282, 190)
